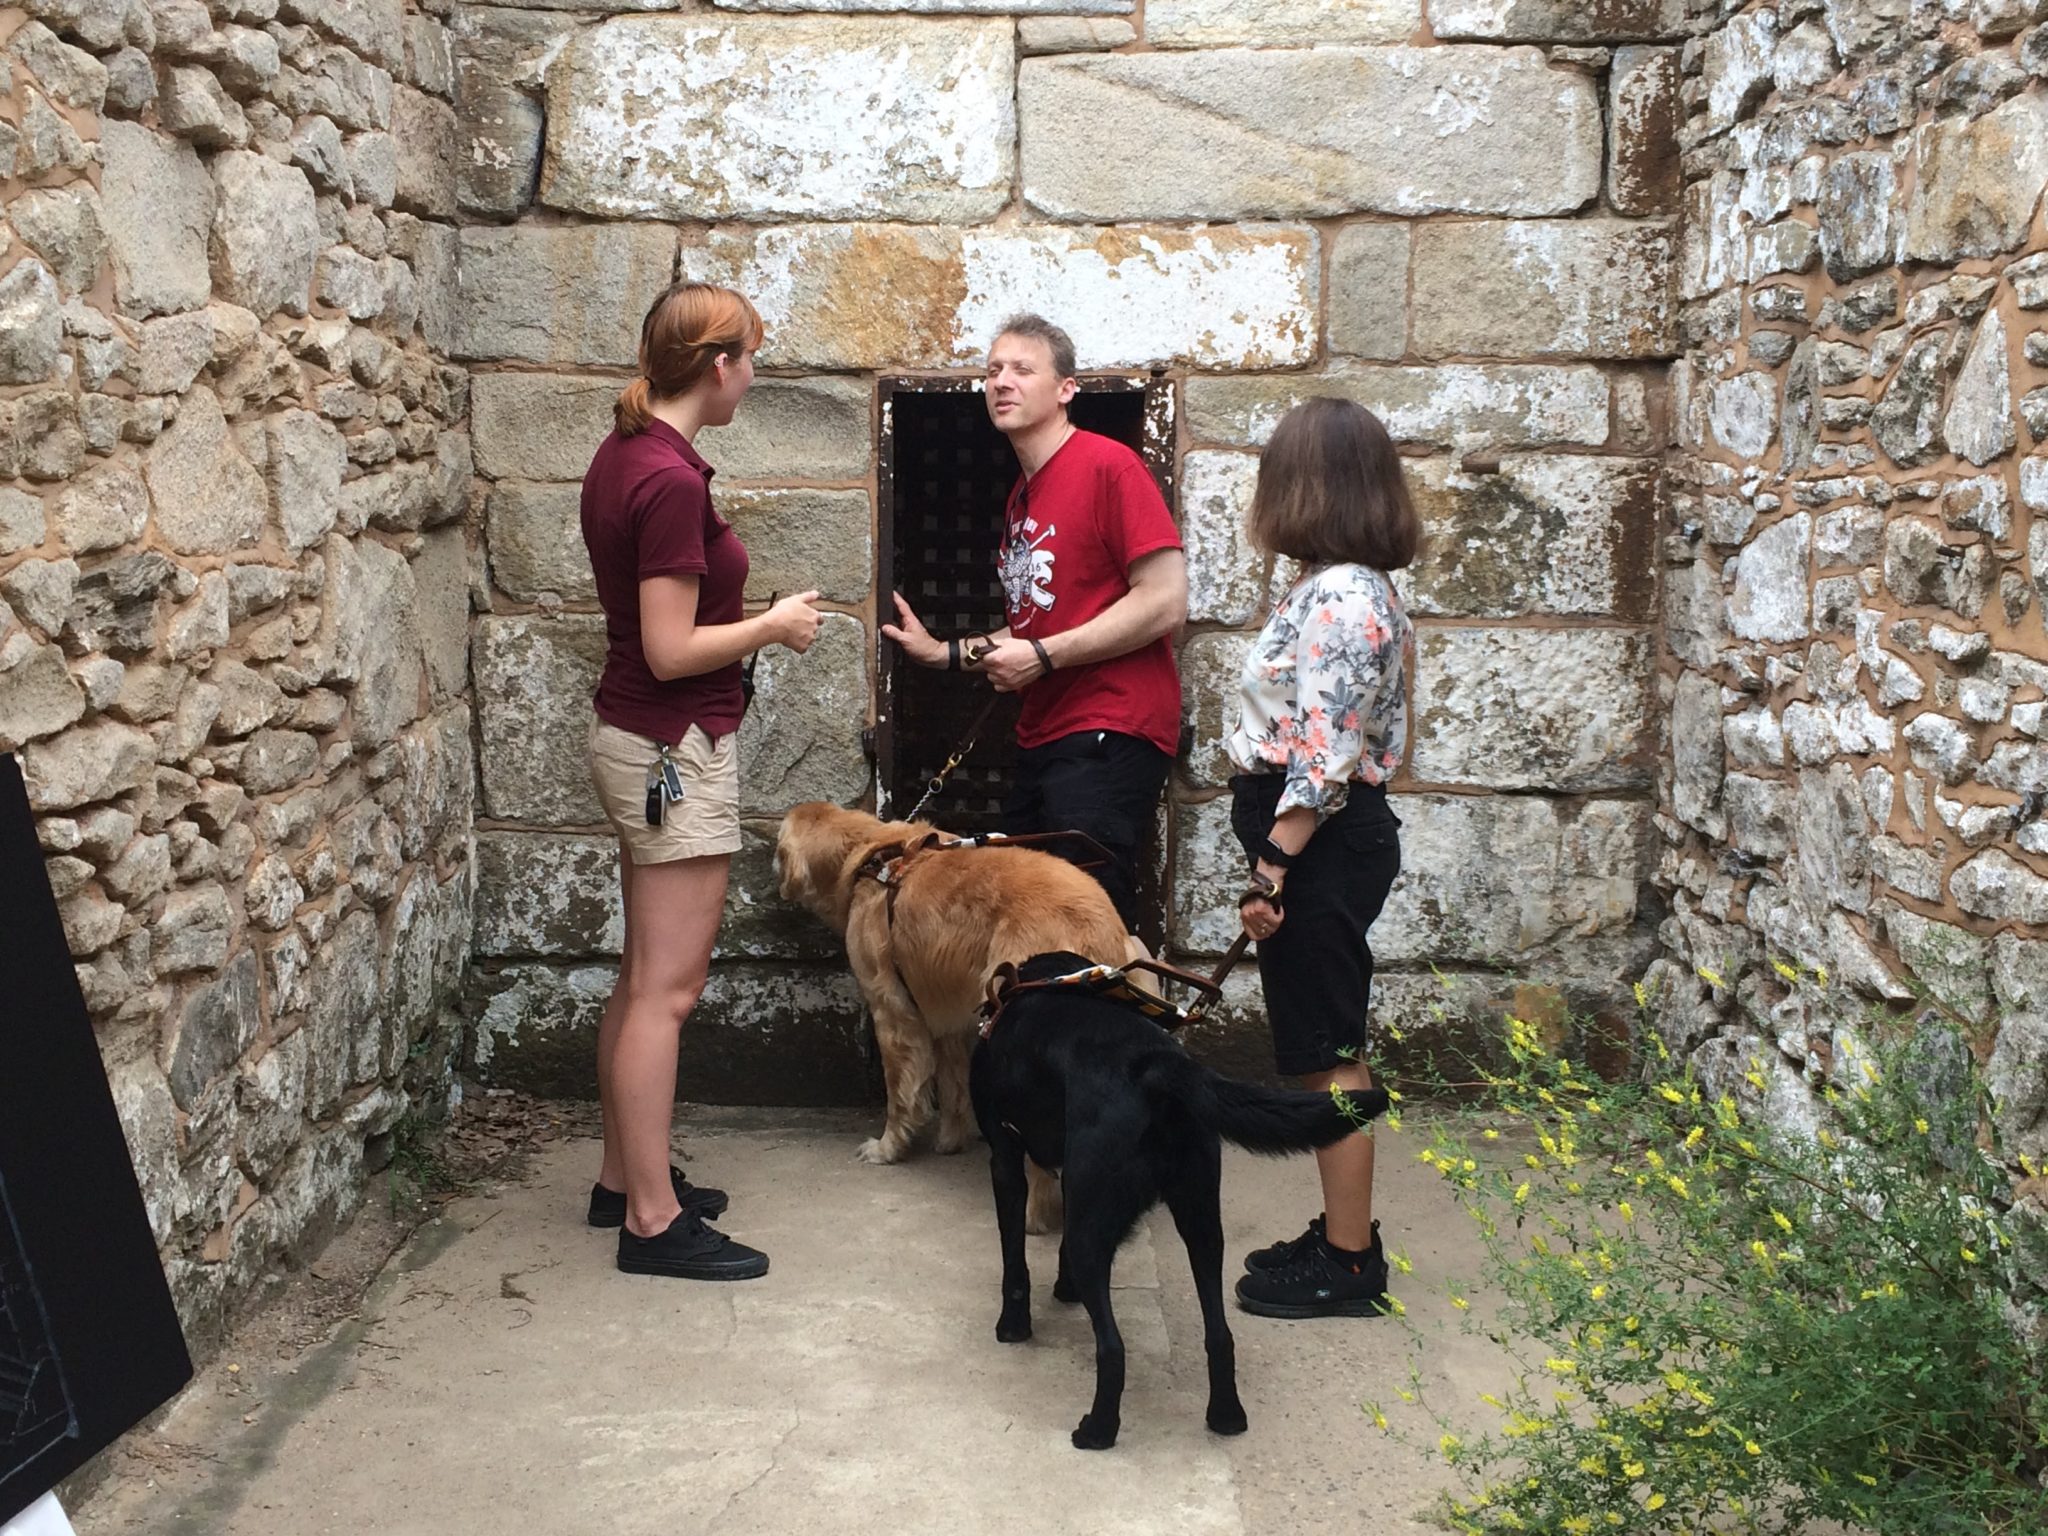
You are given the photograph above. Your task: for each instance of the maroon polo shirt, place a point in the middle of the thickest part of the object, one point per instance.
(647, 512)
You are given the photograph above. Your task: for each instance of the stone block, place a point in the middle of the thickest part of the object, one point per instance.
(1072, 34)
(102, 509)
(1771, 600)
(535, 538)
(1558, 886)
(871, 296)
(501, 61)
(534, 678)
(1540, 288)
(561, 293)
(1978, 424)
(538, 426)
(795, 429)
(208, 499)
(1368, 300)
(1565, 534)
(305, 461)
(64, 226)
(707, 118)
(763, 1033)
(31, 324)
(798, 540)
(1743, 413)
(344, 1027)
(441, 574)
(372, 603)
(1579, 700)
(1455, 405)
(1211, 666)
(265, 236)
(758, 923)
(802, 739)
(1225, 573)
(1996, 886)
(1977, 181)
(1246, 134)
(549, 895)
(1279, 23)
(157, 207)
(1698, 758)
(1556, 21)
(1643, 118)
(428, 153)
(216, 1025)
(1760, 815)
(38, 696)
(1951, 962)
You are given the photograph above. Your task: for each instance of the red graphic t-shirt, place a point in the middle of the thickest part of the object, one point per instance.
(647, 512)
(1071, 533)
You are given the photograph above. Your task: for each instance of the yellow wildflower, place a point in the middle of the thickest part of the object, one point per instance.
(1678, 1186)
(1670, 1094)
(1784, 970)
(1784, 1222)
(1920, 1124)
(1709, 977)
(1448, 1444)
(1969, 1255)
(1632, 1469)
(1461, 1303)
(1654, 1502)
(1752, 1447)
(1379, 1419)
(1628, 1212)
(1558, 1366)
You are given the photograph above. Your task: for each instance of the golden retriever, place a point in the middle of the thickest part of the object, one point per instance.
(958, 915)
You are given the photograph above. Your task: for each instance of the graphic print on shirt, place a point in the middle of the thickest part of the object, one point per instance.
(1026, 571)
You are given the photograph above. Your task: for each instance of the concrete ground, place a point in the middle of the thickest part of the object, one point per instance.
(501, 1369)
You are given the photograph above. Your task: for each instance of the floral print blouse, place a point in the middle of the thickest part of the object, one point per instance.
(1324, 692)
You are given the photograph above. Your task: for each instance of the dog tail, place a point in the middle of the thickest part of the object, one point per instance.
(1275, 1121)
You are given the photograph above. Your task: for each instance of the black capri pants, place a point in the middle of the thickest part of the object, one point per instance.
(1316, 969)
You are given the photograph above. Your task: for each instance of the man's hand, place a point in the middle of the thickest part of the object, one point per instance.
(918, 642)
(1011, 664)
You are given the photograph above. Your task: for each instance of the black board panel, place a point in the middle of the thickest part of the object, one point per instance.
(89, 1340)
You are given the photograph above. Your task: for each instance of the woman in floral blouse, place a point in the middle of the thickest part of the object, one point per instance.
(1322, 726)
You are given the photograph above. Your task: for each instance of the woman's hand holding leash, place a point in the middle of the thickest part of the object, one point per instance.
(1259, 909)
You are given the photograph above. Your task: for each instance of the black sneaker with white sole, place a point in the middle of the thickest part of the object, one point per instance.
(608, 1206)
(690, 1250)
(1320, 1282)
(1280, 1255)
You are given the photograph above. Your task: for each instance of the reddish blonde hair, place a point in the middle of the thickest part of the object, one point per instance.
(685, 330)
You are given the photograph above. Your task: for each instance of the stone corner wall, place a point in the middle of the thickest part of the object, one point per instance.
(234, 586)
(1856, 669)
(1480, 246)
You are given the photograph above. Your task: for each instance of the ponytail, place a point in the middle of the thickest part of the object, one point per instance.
(686, 329)
(631, 413)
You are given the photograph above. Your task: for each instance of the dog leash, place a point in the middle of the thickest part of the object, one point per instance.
(1112, 983)
(937, 781)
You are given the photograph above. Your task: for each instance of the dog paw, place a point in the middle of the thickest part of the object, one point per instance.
(1012, 1330)
(878, 1150)
(947, 1144)
(1229, 1420)
(1089, 1435)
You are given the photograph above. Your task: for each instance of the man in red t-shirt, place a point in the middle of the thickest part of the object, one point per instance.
(1094, 584)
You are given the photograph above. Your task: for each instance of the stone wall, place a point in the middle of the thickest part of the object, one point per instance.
(234, 585)
(1856, 671)
(1461, 214)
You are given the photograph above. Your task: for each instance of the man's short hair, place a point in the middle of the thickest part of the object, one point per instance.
(1044, 330)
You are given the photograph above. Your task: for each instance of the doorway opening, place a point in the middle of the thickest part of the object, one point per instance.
(944, 476)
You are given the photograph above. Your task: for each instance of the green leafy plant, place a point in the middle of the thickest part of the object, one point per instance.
(1718, 1324)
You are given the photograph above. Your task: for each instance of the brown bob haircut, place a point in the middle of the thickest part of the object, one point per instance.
(1331, 491)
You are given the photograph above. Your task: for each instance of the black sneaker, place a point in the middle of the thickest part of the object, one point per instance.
(1280, 1255)
(689, 1250)
(608, 1206)
(1320, 1283)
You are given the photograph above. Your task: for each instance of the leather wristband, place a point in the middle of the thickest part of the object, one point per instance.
(1273, 854)
(1260, 888)
(952, 655)
(1038, 650)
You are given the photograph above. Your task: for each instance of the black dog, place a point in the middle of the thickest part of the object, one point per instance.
(1081, 1083)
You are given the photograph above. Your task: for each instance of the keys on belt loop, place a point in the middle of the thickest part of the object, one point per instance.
(664, 784)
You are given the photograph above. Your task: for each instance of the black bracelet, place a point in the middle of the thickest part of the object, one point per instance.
(952, 655)
(1044, 660)
(1275, 855)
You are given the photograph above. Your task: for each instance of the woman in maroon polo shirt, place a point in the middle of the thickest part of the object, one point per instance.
(671, 577)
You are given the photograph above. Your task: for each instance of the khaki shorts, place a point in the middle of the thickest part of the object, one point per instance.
(705, 821)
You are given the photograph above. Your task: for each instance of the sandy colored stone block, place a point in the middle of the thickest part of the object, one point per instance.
(862, 296)
(539, 426)
(802, 539)
(156, 202)
(548, 894)
(534, 678)
(710, 118)
(1247, 133)
(1279, 23)
(1544, 288)
(535, 536)
(1210, 666)
(795, 429)
(1566, 534)
(1368, 301)
(1224, 571)
(1531, 709)
(941, 7)
(1557, 21)
(559, 293)
(1072, 34)
(1977, 181)
(802, 739)
(1464, 405)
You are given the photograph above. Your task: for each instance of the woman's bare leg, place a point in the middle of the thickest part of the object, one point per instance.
(1346, 1169)
(611, 1172)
